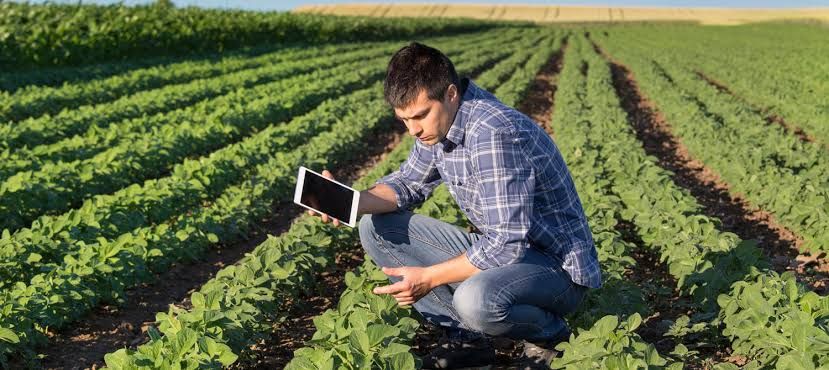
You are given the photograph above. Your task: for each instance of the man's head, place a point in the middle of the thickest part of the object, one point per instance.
(423, 88)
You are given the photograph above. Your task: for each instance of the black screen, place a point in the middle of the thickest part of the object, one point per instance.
(327, 196)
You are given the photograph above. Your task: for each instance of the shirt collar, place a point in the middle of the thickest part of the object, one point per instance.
(458, 129)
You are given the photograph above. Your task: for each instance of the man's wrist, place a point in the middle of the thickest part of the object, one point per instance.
(431, 277)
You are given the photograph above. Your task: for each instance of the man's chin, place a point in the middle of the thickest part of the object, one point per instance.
(428, 141)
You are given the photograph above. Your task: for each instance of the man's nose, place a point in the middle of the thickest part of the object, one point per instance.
(414, 128)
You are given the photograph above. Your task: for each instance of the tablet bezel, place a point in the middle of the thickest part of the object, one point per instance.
(355, 200)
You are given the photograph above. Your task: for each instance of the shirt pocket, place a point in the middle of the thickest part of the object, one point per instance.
(463, 187)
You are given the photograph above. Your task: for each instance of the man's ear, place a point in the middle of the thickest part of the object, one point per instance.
(452, 93)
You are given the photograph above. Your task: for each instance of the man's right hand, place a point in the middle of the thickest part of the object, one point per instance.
(325, 218)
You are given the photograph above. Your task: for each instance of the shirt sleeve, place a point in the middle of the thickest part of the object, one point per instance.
(506, 181)
(416, 178)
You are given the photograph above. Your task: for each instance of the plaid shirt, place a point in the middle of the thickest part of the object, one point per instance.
(510, 180)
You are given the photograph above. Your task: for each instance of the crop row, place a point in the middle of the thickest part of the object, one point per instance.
(102, 270)
(713, 268)
(96, 140)
(791, 88)
(33, 101)
(47, 129)
(70, 34)
(771, 168)
(60, 186)
(606, 323)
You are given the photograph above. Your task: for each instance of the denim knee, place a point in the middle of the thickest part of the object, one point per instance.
(367, 231)
(478, 309)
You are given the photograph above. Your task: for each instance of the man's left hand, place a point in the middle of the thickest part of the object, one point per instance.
(415, 284)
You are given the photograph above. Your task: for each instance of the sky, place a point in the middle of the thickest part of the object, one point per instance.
(290, 4)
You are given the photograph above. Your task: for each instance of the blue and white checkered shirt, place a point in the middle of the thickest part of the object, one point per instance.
(509, 178)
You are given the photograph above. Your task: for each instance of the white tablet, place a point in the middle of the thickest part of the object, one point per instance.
(323, 195)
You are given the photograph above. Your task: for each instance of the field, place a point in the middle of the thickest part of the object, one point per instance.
(570, 13)
(145, 191)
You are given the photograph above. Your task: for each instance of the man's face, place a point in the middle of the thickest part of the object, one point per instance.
(429, 120)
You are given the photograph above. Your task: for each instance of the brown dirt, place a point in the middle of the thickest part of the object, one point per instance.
(780, 245)
(539, 103)
(666, 304)
(770, 118)
(292, 334)
(110, 327)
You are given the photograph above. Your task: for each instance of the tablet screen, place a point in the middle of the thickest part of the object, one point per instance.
(327, 196)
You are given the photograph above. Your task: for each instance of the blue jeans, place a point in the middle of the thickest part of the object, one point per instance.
(524, 300)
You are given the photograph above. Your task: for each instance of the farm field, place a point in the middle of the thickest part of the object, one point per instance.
(145, 193)
(569, 13)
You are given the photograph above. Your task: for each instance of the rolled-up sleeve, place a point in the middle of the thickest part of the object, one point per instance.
(416, 178)
(506, 181)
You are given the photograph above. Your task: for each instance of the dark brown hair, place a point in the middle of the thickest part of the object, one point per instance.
(416, 67)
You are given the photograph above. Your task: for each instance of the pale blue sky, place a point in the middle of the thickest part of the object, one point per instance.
(289, 4)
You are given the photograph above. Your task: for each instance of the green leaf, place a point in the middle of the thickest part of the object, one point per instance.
(359, 341)
(633, 322)
(33, 258)
(8, 335)
(377, 332)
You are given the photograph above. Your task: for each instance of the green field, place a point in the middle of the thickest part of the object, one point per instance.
(140, 145)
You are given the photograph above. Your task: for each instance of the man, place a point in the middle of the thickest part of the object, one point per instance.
(534, 258)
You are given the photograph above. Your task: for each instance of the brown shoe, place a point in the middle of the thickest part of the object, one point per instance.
(539, 355)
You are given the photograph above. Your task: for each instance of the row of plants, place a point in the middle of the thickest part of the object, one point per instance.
(250, 296)
(106, 134)
(242, 85)
(721, 274)
(606, 322)
(772, 169)
(191, 183)
(73, 34)
(59, 186)
(34, 251)
(791, 88)
(37, 100)
(101, 271)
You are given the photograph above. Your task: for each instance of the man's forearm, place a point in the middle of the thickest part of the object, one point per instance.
(380, 198)
(451, 271)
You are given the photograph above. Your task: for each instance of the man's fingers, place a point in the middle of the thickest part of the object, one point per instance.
(336, 222)
(327, 174)
(403, 295)
(405, 303)
(391, 289)
(393, 271)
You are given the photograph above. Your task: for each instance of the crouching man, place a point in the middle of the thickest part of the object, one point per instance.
(534, 258)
